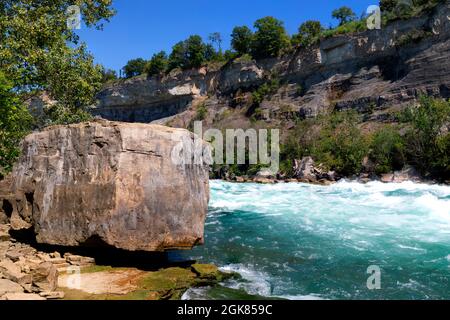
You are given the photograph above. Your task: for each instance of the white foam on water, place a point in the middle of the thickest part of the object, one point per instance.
(387, 223)
(257, 283)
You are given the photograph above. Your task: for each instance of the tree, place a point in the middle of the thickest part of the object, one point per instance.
(177, 58)
(36, 42)
(195, 52)
(270, 38)
(72, 76)
(344, 15)
(241, 40)
(134, 67)
(15, 123)
(388, 5)
(191, 53)
(157, 64)
(108, 75)
(216, 38)
(308, 33)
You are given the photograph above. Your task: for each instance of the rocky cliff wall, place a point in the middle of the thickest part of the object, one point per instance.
(374, 70)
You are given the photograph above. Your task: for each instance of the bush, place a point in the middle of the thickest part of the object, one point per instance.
(15, 123)
(157, 64)
(333, 140)
(344, 15)
(202, 112)
(191, 53)
(134, 67)
(270, 38)
(241, 40)
(428, 137)
(341, 146)
(388, 150)
(414, 36)
(59, 114)
(308, 33)
(108, 75)
(350, 27)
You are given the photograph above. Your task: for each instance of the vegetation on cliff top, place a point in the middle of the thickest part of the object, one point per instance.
(269, 39)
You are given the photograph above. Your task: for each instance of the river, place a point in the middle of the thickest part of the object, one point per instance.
(300, 241)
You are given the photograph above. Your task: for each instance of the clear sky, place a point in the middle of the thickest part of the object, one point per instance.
(144, 27)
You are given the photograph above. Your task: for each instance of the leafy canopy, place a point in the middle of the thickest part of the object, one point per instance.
(191, 53)
(157, 64)
(38, 51)
(270, 38)
(344, 15)
(241, 40)
(134, 67)
(308, 33)
(15, 122)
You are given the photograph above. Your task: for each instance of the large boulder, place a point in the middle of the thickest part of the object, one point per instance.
(109, 183)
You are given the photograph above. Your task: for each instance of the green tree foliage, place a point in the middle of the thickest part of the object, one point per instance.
(270, 38)
(341, 146)
(134, 67)
(73, 77)
(308, 33)
(177, 58)
(15, 123)
(108, 75)
(428, 140)
(241, 40)
(191, 53)
(344, 15)
(157, 64)
(333, 140)
(388, 151)
(195, 52)
(388, 5)
(35, 38)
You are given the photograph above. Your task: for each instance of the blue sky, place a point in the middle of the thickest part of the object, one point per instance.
(143, 27)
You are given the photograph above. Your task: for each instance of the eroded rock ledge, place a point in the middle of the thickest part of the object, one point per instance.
(107, 183)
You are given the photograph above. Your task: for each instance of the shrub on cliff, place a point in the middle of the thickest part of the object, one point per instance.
(428, 139)
(270, 38)
(157, 64)
(241, 40)
(388, 151)
(108, 75)
(190, 53)
(341, 145)
(134, 67)
(333, 140)
(344, 15)
(308, 33)
(15, 122)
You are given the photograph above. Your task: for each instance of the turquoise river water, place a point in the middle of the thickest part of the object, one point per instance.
(299, 241)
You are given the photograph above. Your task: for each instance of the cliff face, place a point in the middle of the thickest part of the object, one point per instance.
(107, 183)
(375, 72)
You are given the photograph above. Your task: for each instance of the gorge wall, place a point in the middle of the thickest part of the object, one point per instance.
(375, 72)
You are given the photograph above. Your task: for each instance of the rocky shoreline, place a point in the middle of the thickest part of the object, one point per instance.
(27, 273)
(307, 172)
